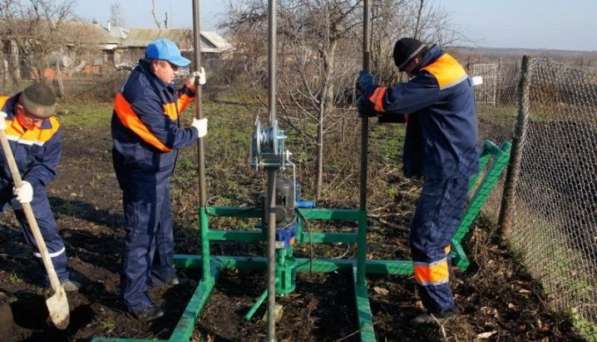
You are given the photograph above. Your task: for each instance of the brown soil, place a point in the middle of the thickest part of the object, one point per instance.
(495, 294)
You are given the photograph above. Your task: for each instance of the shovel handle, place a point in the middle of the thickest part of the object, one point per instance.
(39, 240)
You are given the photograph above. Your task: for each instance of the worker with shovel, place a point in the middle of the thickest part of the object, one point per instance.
(34, 134)
(146, 135)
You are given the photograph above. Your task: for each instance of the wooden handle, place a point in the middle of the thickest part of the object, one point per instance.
(39, 240)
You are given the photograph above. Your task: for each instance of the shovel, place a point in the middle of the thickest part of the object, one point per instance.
(57, 303)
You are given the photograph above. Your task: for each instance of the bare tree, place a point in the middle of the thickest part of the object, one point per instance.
(393, 19)
(319, 49)
(42, 34)
(117, 15)
(156, 20)
(36, 28)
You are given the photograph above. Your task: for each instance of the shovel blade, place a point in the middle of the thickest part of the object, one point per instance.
(58, 308)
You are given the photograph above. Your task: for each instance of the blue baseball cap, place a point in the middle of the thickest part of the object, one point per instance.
(166, 50)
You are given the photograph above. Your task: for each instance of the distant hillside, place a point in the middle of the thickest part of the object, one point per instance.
(505, 52)
(484, 54)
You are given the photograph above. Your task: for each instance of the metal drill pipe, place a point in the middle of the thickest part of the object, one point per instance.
(365, 119)
(198, 95)
(271, 180)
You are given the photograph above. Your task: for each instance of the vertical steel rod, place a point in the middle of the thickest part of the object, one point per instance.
(518, 142)
(271, 180)
(198, 95)
(362, 235)
(365, 119)
(206, 269)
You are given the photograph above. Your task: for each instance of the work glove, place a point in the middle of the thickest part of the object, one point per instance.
(2, 121)
(24, 193)
(365, 107)
(366, 84)
(202, 76)
(201, 126)
(190, 82)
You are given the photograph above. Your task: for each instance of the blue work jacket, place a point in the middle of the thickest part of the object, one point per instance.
(145, 122)
(438, 104)
(36, 151)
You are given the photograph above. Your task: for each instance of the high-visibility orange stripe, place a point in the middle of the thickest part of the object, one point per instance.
(171, 111)
(35, 136)
(447, 71)
(377, 98)
(3, 100)
(432, 274)
(130, 120)
(184, 101)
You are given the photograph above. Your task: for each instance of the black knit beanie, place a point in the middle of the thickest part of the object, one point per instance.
(39, 100)
(405, 50)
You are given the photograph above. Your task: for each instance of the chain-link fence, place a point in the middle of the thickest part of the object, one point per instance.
(486, 94)
(554, 223)
(496, 119)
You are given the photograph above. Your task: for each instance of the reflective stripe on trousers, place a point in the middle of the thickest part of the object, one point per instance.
(437, 216)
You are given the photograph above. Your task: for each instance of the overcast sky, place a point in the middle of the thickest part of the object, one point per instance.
(543, 24)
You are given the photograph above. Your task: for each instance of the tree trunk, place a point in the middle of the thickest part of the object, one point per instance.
(59, 80)
(14, 62)
(326, 106)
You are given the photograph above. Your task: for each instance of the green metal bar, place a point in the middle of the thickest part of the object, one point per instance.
(331, 214)
(460, 258)
(235, 212)
(483, 161)
(109, 339)
(257, 235)
(364, 314)
(186, 324)
(228, 262)
(490, 150)
(490, 147)
(379, 267)
(483, 191)
(323, 237)
(205, 254)
(393, 267)
(236, 235)
(362, 249)
(256, 306)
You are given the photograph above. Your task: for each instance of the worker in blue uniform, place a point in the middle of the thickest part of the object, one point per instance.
(438, 106)
(35, 138)
(146, 135)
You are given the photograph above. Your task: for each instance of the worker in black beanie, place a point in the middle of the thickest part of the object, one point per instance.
(440, 146)
(29, 121)
(406, 50)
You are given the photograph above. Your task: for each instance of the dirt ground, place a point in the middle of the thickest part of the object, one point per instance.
(497, 298)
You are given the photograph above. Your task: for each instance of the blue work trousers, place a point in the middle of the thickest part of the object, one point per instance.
(45, 221)
(437, 217)
(149, 246)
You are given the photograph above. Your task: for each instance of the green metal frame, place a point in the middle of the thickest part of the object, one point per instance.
(494, 158)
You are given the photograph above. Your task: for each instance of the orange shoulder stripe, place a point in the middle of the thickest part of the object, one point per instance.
(447, 71)
(130, 120)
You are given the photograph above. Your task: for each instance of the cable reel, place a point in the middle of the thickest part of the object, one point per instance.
(267, 147)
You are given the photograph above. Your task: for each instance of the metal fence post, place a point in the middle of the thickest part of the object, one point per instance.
(518, 142)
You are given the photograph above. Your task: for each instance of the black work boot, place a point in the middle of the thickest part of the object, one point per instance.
(157, 283)
(430, 318)
(147, 314)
